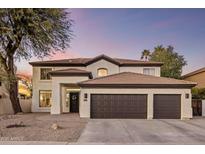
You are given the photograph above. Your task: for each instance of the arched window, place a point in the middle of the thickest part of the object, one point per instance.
(102, 72)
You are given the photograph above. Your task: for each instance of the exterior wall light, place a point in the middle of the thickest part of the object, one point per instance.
(187, 96)
(85, 96)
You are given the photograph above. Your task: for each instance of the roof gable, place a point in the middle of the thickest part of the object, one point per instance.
(130, 79)
(194, 73)
(71, 72)
(87, 61)
(100, 57)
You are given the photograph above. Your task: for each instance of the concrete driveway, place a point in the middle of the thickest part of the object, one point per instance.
(134, 131)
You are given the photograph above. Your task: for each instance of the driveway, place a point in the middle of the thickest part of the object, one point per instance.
(134, 131)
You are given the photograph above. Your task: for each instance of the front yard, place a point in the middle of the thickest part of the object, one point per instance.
(38, 127)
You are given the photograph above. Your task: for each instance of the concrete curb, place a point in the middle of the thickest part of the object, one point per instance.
(32, 143)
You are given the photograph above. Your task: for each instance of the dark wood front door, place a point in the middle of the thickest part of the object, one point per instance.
(129, 106)
(74, 102)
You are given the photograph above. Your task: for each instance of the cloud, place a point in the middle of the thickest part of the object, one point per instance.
(64, 55)
(167, 23)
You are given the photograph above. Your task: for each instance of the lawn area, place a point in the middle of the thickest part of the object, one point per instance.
(38, 127)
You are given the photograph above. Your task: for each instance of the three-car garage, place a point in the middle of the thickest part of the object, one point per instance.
(134, 106)
(135, 96)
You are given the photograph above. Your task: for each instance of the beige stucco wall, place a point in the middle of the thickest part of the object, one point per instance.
(199, 78)
(5, 103)
(60, 68)
(42, 85)
(112, 68)
(203, 108)
(56, 107)
(139, 69)
(37, 86)
(6, 106)
(186, 109)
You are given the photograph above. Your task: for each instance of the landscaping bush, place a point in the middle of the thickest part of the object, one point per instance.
(198, 93)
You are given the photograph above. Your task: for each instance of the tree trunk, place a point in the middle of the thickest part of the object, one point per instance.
(13, 94)
(13, 86)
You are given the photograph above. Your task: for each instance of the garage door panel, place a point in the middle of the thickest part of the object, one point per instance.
(118, 106)
(167, 106)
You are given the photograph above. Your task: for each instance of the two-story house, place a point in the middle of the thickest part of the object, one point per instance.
(105, 87)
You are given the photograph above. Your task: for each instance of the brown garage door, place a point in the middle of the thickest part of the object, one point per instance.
(167, 106)
(118, 106)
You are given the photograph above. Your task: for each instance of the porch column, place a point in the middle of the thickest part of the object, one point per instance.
(56, 98)
(150, 106)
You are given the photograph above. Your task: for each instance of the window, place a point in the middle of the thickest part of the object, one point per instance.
(44, 73)
(45, 98)
(102, 72)
(149, 71)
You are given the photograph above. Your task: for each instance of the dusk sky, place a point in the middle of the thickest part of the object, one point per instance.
(124, 33)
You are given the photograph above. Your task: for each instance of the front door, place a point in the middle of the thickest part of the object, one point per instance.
(74, 102)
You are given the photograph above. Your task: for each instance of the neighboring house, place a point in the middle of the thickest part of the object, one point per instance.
(24, 86)
(199, 77)
(105, 87)
(196, 76)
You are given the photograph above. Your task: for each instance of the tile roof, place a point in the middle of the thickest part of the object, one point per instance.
(71, 72)
(136, 80)
(87, 61)
(194, 73)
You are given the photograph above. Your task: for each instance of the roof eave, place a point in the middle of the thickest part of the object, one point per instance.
(137, 85)
(56, 74)
(193, 73)
(56, 64)
(142, 64)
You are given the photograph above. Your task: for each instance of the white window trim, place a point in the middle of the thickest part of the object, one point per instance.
(40, 100)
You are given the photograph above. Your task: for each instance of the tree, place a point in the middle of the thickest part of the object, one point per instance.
(30, 32)
(173, 62)
(145, 55)
(198, 93)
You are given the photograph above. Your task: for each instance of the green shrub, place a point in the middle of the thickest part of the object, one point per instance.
(198, 93)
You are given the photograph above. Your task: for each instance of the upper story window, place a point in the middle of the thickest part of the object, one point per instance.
(44, 74)
(102, 72)
(149, 71)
